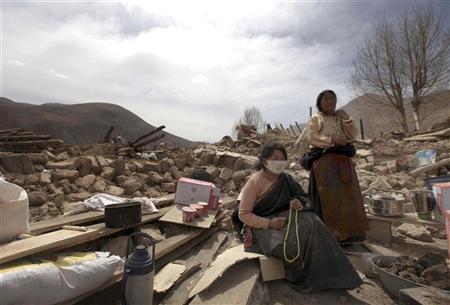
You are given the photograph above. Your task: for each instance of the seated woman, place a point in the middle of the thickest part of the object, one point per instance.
(274, 214)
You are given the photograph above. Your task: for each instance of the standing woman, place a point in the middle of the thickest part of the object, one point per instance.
(334, 187)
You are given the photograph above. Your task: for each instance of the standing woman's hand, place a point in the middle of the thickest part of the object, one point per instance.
(342, 115)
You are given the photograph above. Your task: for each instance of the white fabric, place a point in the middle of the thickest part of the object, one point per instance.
(13, 211)
(99, 201)
(51, 283)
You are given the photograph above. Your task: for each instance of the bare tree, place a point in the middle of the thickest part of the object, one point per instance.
(425, 46)
(378, 68)
(253, 117)
(405, 60)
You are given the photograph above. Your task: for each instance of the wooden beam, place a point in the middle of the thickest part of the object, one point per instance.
(133, 143)
(24, 138)
(63, 239)
(86, 217)
(39, 143)
(6, 131)
(108, 134)
(430, 167)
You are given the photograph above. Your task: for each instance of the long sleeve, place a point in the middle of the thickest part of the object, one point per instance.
(315, 136)
(350, 130)
(248, 200)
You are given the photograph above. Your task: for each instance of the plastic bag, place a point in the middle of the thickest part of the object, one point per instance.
(13, 211)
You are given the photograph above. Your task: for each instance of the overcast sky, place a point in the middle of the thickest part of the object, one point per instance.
(192, 65)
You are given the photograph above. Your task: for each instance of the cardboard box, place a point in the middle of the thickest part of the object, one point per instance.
(272, 268)
(442, 195)
(192, 191)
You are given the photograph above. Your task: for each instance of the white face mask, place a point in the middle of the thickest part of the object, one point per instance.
(276, 166)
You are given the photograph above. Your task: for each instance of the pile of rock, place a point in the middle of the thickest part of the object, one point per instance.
(430, 269)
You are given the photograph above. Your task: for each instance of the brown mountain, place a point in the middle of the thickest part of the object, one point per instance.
(78, 123)
(377, 117)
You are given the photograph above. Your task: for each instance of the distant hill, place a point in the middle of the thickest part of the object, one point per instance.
(377, 117)
(79, 123)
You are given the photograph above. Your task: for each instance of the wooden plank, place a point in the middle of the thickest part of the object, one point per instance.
(55, 224)
(175, 215)
(39, 143)
(6, 131)
(161, 250)
(63, 239)
(86, 217)
(24, 138)
(25, 247)
(423, 296)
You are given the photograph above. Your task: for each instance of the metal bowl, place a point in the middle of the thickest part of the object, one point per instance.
(393, 283)
(385, 206)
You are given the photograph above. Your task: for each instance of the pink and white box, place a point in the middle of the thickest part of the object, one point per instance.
(442, 195)
(192, 191)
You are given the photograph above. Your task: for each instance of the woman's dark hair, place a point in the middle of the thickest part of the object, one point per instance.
(319, 98)
(267, 152)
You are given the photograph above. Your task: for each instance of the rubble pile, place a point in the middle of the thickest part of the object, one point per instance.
(57, 180)
(430, 269)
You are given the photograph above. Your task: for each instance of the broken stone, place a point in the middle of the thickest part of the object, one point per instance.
(381, 169)
(49, 155)
(108, 173)
(86, 181)
(55, 190)
(166, 164)
(119, 167)
(102, 161)
(37, 198)
(39, 168)
(152, 193)
(168, 177)
(391, 166)
(230, 186)
(212, 170)
(99, 186)
(73, 164)
(32, 179)
(38, 158)
(17, 163)
(155, 177)
(62, 156)
(239, 176)
(96, 168)
(61, 174)
(416, 232)
(115, 191)
(168, 187)
(363, 153)
(225, 174)
(79, 196)
(45, 178)
(148, 166)
(130, 184)
(85, 167)
(175, 172)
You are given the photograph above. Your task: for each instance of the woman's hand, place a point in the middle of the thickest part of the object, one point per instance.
(296, 204)
(339, 140)
(277, 223)
(342, 115)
